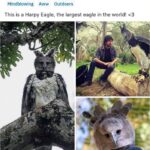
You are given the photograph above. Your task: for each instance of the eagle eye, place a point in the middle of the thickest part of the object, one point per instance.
(107, 135)
(118, 131)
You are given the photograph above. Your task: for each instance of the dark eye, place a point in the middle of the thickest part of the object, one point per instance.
(107, 135)
(118, 131)
(38, 64)
(41, 63)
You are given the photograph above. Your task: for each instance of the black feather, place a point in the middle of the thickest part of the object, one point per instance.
(133, 40)
(86, 114)
(144, 44)
(27, 99)
(62, 93)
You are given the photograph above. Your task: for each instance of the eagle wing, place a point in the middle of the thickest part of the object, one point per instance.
(28, 99)
(144, 44)
(62, 92)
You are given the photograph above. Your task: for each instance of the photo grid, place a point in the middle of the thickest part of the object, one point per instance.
(75, 85)
(112, 85)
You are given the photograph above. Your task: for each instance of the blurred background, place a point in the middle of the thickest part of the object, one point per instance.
(139, 117)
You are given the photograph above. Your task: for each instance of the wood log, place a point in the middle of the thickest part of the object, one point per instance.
(52, 124)
(128, 85)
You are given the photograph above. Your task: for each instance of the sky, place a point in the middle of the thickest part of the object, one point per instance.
(12, 87)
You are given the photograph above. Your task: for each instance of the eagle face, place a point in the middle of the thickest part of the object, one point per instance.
(126, 33)
(115, 132)
(44, 65)
(111, 128)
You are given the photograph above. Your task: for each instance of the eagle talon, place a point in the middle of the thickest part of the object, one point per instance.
(145, 74)
(139, 78)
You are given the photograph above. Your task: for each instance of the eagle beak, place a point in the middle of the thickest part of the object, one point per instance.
(114, 139)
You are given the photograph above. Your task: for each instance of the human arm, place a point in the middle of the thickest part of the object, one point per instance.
(100, 61)
(113, 62)
(98, 57)
(114, 57)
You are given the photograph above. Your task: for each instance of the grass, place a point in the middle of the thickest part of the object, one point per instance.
(126, 68)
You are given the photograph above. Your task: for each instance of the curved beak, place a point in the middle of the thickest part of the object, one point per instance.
(114, 139)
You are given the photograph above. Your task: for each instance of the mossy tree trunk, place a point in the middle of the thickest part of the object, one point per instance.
(52, 124)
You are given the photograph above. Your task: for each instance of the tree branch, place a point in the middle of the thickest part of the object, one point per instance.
(52, 124)
(22, 39)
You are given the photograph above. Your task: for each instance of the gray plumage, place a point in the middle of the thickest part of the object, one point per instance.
(140, 48)
(44, 86)
(111, 128)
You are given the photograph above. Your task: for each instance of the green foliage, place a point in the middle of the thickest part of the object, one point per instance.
(62, 40)
(82, 63)
(127, 58)
(10, 55)
(131, 69)
(139, 117)
(91, 51)
(55, 35)
(142, 30)
(119, 42)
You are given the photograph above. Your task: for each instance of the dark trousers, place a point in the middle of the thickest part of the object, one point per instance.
(107, 71)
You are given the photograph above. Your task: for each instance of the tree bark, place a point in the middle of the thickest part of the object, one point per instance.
(52, 124)
(127, 84)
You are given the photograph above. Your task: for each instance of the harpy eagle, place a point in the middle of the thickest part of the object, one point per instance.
(44, 86)
(112, 130)
(140, 48)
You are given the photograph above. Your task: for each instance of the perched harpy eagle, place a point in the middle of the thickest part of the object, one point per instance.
(44, 86)
(140, 48)
(112, 130)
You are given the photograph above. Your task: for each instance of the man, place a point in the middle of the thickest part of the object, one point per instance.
(105, 58)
